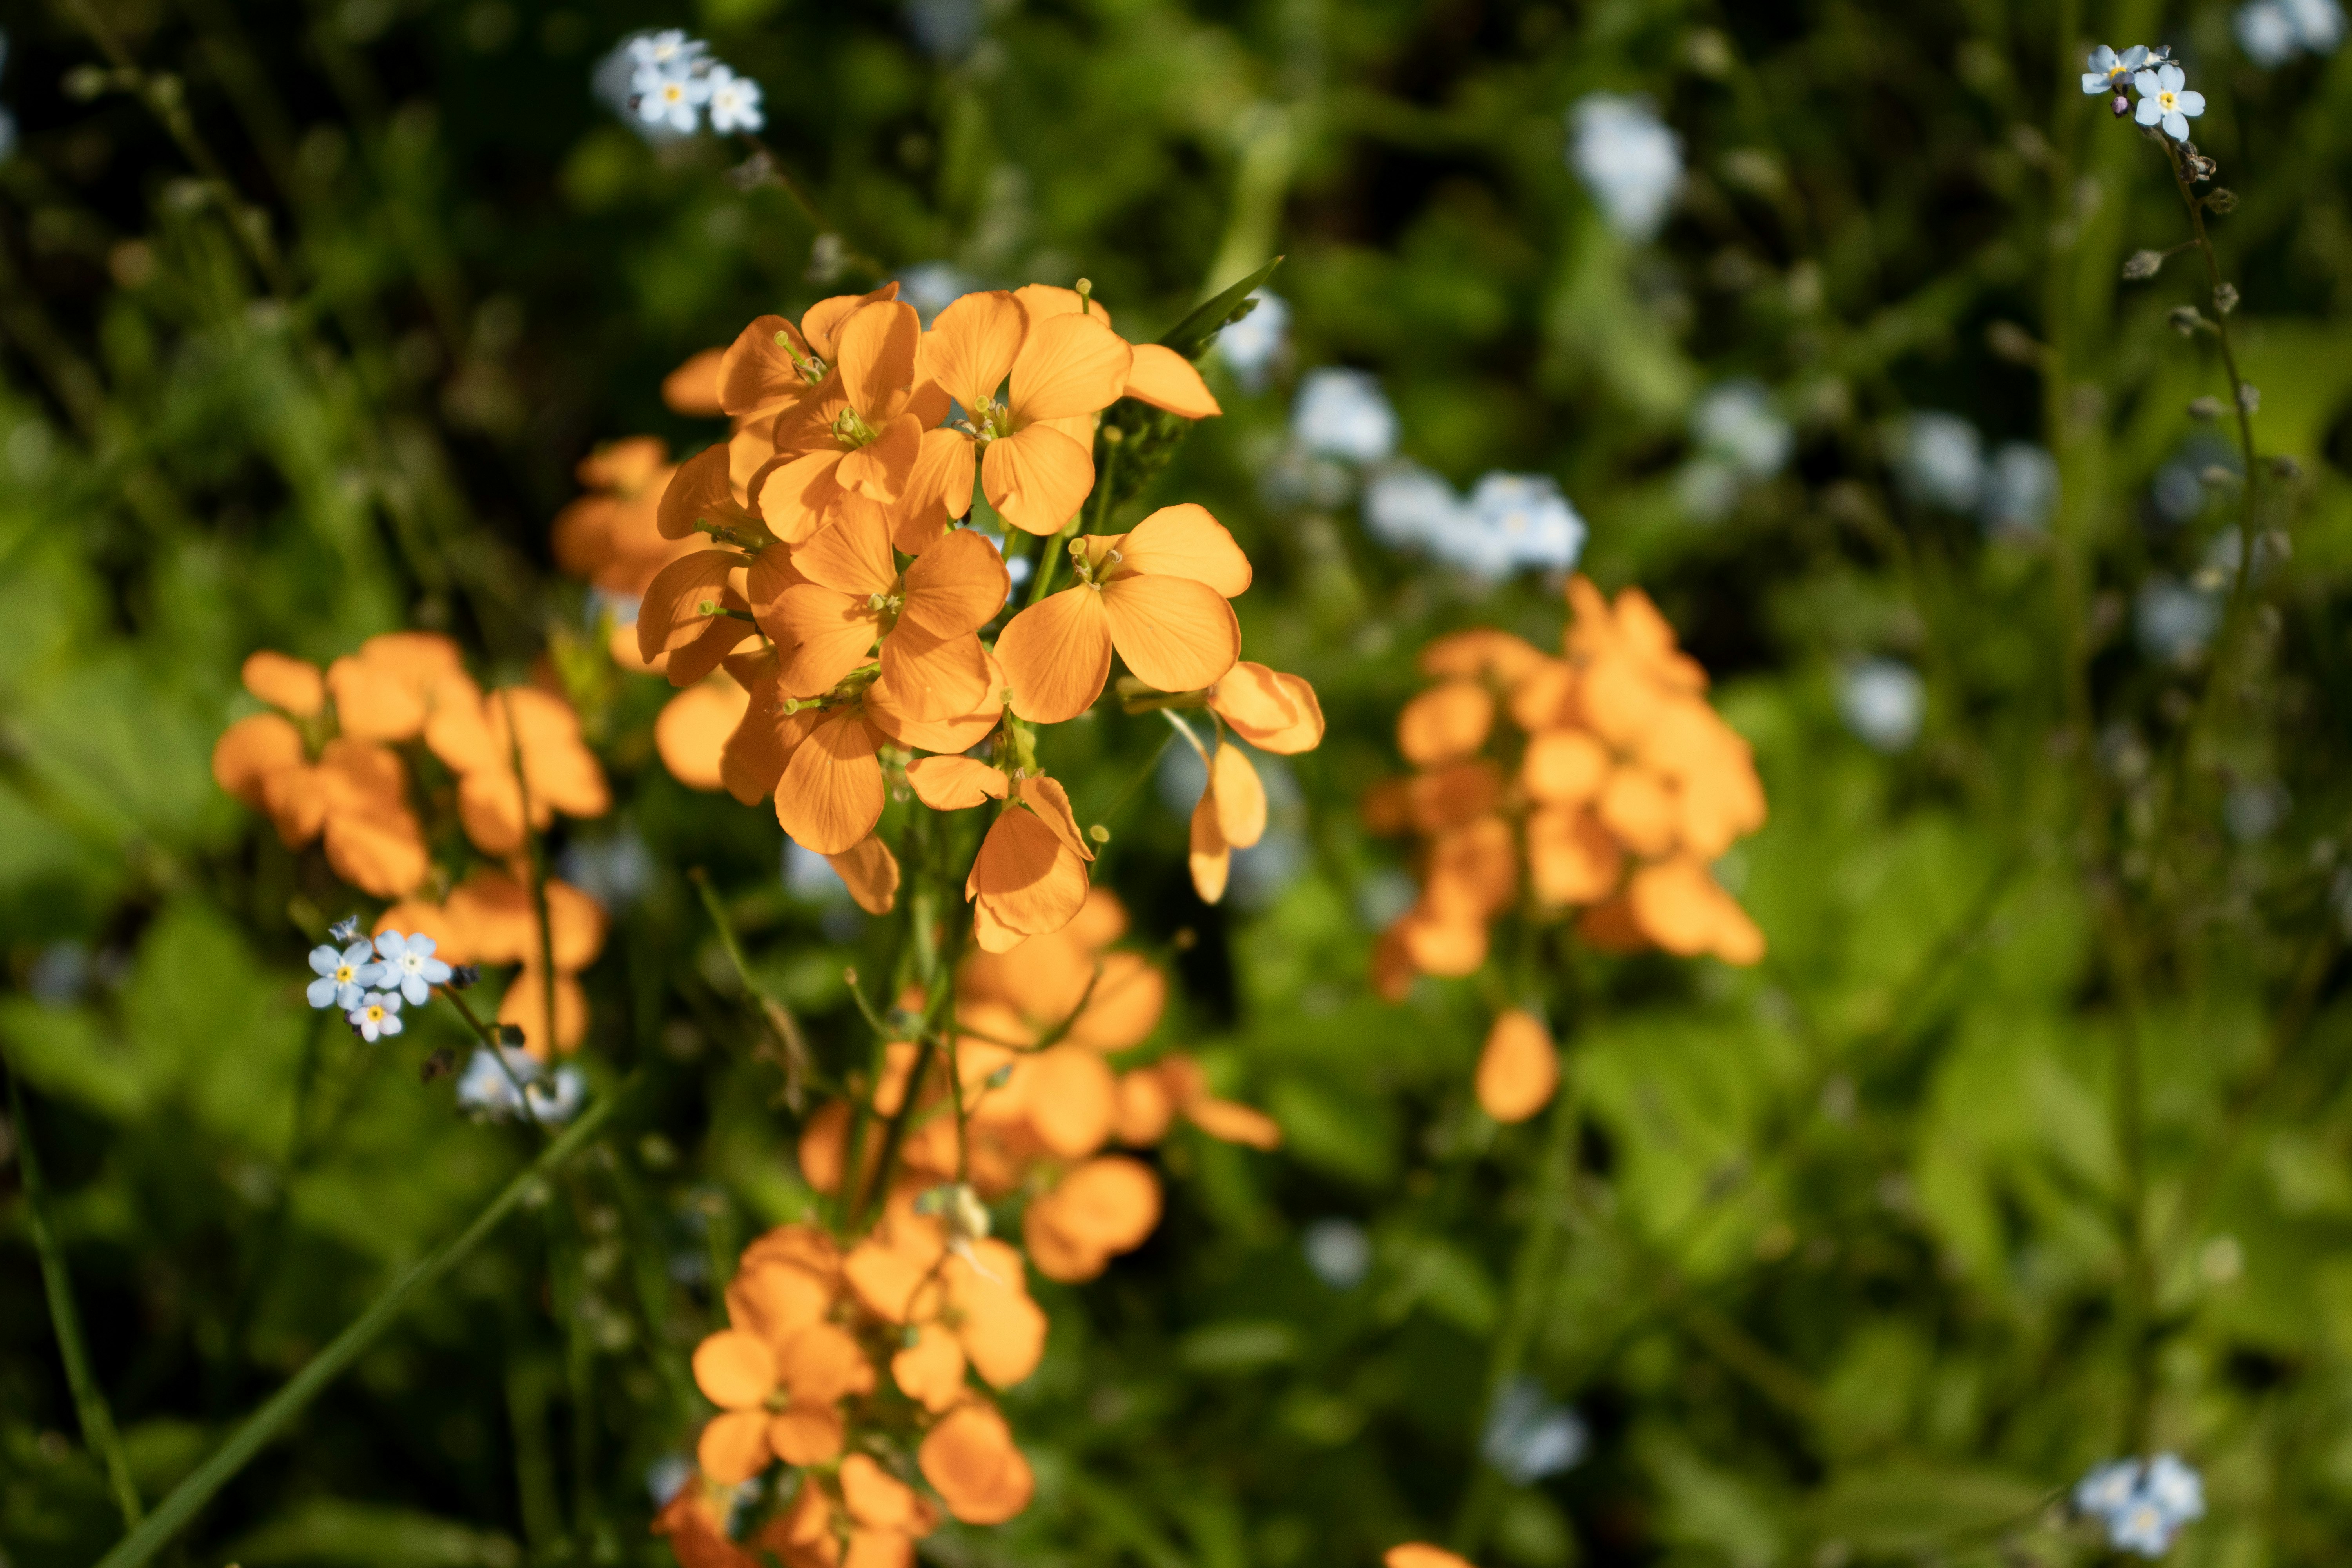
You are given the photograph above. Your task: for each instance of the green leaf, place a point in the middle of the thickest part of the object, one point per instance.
(1191, 336)
(1910, 1506)
(328, 1529)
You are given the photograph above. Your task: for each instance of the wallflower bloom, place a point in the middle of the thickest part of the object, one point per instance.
(2165, 100)
(1231, 816)
(925, 618)
(1157, 594)
(850, 444)
(344, 976)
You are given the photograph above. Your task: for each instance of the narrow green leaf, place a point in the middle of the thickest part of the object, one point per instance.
(1193, 335)
(175, 1511)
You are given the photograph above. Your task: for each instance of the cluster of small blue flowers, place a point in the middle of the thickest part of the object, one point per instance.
(513, 1083)
(2163, 87)
(665, 82)
(367, 981)
(2143, 1503)
(1529, 1436)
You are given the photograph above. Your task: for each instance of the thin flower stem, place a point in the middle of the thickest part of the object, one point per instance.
(97, 1433)
(772, 168)
(797, 1059)
(490, 1037)
(536, 848)
(175, 1511)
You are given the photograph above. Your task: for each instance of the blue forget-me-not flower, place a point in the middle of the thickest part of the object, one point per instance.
(343, 977)
(2165, 99)
(409, 963)
(377, 1015)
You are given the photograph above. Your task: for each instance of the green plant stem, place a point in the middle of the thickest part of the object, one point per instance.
(97, 1433)
(537, 848)
(174, 1512)
(1532, 1273)
(796, 1059)
(490, 1037)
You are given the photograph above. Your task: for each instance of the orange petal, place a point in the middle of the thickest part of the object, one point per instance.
(692, 732)
(1043, 301)
(1641, 809)
(870, 872)
(1241, 798)
(1184, 540)
(797, 495)
(970, 1462)
(831, 794)
(1571, 859)
(805, 1434)
(671, 614)
(1068, 365)
(773, 1299)
(1209, 857)
(735, 1371)
(896, 720)
(1483, 652)
(1051, 802)
(733, 1446)
(832, 634)
(954, 783)
(874, 1497)
(822, 1363)
(931, 1370)
(880, 471)
(972, 344)
(252, 749)
(821, 323)
(1166, 379)
(1037, 478)
(702, 491)
(1002, 1330)
(850, 553)
(1145, 1107)
(1024, 876)
(382, 854)
(1564, 767)
(957, 585)
(1129, 995)
(1056, 655)
(692, 388)
(1519, 1069)
(1446, 722)
(944, 470)
(1175, 634)
(295, 685)
(935, 678)
(756, 370)
(525, 1006)
(877, 354)
(1072, 1101)
(1109, 1203)
(1272, 711)
(1421, 1555)
(1679, 905)
(1230, 1123)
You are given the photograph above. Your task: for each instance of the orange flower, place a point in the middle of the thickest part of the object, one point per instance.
(1101, 1209)
(970, 1462)
(396, 682)
(851, 444)
(684, 626)
(1030, 877)
(1226, 1121)
(925, 618)
(1059, 370)
(356, 794)
(489, 919)
(612, 536)
(1519, 1069)
(1421, 1555)
(482, 739)
(1065, 980)
(771, 362)
(1158, 375)
(1157, 594)
(1231, 816)
(291, 684)
(692, 732)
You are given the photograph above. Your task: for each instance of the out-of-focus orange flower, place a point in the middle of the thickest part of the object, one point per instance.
(1625, 785)
(1157, 374)
(1421, 1555)
(925, 618)
(692, 389)
(395, 683)
(1157, 594)
(482, 738)
(1034, 447)
(970, 1459)
(612, 536)
(292, 685)
(692, 732)
(1231, 816)
(1099, 1209)
(1518, 1070)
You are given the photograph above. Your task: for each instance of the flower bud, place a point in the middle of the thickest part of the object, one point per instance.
(2121, 106)
(2221, 201)
(2205, 408)
(2142, 264)
(2225, 298)
(463, 977)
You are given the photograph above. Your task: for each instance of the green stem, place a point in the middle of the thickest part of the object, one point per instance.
(97, 1433)
(174, 1512)
(796, 1058)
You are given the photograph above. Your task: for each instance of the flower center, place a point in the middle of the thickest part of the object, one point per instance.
(850, 427)
(887, 606)
(988, 421)
(343, 973)
(2164, 100)
(375, 1014)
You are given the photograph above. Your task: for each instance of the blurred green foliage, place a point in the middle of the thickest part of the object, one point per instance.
(306, 311)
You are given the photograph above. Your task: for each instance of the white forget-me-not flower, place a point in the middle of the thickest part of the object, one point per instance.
(1516, 520)
(377, 1015)
(409, 963)
(1250, 346)
(1942, 460)
(2110, 71)
(2165, 100)
(2144, 1505)
(734, 102)
(487, 1090)
(1884, 702)
(1343, 413)
(343, 977)
(1528, 1437)
(1629, 159)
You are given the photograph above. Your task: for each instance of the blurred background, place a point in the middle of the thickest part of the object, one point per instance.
(1810, 318)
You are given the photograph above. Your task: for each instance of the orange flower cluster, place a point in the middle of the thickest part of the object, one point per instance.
(829, 632)
(326, 764)
(836, 1353)
(1611, 783)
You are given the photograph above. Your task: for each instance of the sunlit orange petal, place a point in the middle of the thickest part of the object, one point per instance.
(671, 614)
(1230, 1122)
(692, 388)
(935, 678)
(1003, 1330)
(832, 634)
(1641, 809)
(1420, 1554)
(954, 783)
(874, 1497)
(805, 1434)
(956, 586)
(252, 749)
(1051, 802)
(1174, 633)
(970, 1462)
(831, 795)
(1024, 878)
(877, 354)
(1056, 655)
(821, 323)
(1166, 379)
(1271, 710)
(1184, 540)
(1207, 854)
(733, 1446)
(772, 1298)
(702, 491)
(1037, 478)
(1240, 797)
(755, 371)
(931, 1370)
(295, 685)
(1564, 767)
(972, 345)
(881, 470)
(735, 1371)
(692, 732)
(824, 1362)
(870, 872)
(1145, 1107)
(1072, 1099)
(1572, 859)
(1446, 722)
(1068, 365)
